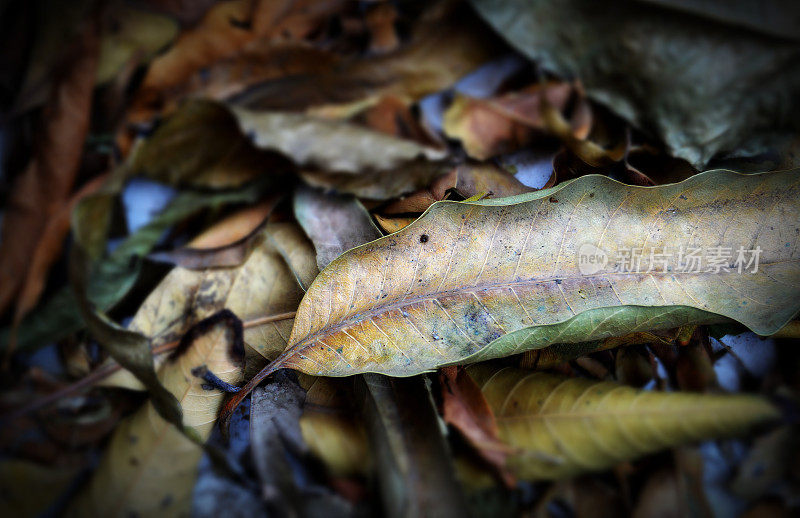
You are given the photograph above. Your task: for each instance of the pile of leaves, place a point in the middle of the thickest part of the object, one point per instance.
(337, 258)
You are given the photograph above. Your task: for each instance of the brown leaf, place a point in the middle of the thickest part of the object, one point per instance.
(447, 42)
(228, 243)
(225, 30)
(48, 250)
(489, 127)
(468, 180)
(380, 22)
(46, 183)
(464, 407)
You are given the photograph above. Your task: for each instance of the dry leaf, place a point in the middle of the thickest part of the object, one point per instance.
(468, 180)
(447, 42)
(379, 185)
(472, 281)
(149, 465)
(328, 144)
(330, 428)
(559, 427)
(464, 407)
(490, 127)
(263, 285)
(334, 223)
(226, 244)
(625, 55)
(43, 187)
(200, 145)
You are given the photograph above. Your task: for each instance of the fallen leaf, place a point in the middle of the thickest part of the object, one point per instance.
(466, 179)
(447, 42)
(331, 429)
(279, 453)
(380, 21)
(490, 127)
(113, 275)
(391, 225)
(226, 244)
(560, 427)
(378, 185)
(263, 285)
(200, 145)
(131, 33)
(334, 223)
(624, 52)
(45, 184)
(149, 465)
(465, 408)
(225, 30)
(415, 469)
(472, 281)
(329, 144)
(48, 250)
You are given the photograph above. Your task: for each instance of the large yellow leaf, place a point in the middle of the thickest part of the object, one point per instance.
(470, 281)
(561, 426)
(150, 466)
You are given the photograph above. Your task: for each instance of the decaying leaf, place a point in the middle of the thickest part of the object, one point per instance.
(379, 185)
(132, 33)
(112, 276)
(472, 281)
(414, 465)
(625, 53)
(560, 427)
(280, 453)
(263, 285)
(329, 144)
(447, 43)
(489, 127)
(334, 223)
(464, 407)
(45, 184)
(468, 180)
(226, 30)
(149, 465)
(200, 145)
(330, 428)
(227, 243)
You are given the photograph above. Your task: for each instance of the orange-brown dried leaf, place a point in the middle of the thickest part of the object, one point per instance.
(468, 180)
(489, 127)
(464, 407)
(48, 250)
(48, 179)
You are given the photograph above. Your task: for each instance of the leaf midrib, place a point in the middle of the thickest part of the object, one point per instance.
(398, 305)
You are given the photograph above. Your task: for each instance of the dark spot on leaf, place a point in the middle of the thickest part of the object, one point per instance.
(553, 199)
(423, 238)
(558, 281)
